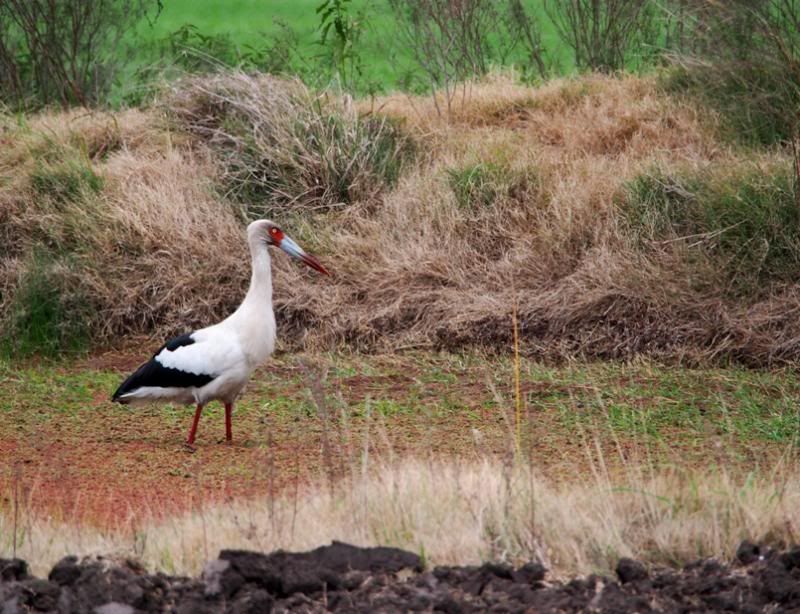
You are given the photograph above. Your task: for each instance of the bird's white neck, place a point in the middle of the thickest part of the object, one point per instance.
(259, 295)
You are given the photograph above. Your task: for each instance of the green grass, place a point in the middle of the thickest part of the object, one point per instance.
(475, 186)
(674, 409)
(244, 20)
(478, 186)
(65, 181)
(250, 24)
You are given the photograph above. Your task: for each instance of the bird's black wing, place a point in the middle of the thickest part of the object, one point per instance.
(153, 373)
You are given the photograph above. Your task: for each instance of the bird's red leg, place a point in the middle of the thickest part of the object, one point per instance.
(193, 430)
(228, 432)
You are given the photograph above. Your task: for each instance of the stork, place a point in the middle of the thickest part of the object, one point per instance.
(215, 363)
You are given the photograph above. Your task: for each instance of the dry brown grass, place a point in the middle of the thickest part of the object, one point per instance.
(460, 513)
(514, 199)
(133, 246)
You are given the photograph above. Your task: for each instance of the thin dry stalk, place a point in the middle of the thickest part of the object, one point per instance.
(199, 507)
(517, 386)
(314, 383)
(15, 526)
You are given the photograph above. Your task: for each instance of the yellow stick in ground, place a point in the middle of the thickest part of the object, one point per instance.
(517, 389)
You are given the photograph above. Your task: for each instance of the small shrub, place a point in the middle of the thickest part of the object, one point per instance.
(747, 222)
(357, 155)
(66, 52)
(743, 63)
(44, 316)
(453, 42)
(604, 35)
(340, 34)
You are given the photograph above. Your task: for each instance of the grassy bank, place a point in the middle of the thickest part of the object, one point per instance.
(610, 214)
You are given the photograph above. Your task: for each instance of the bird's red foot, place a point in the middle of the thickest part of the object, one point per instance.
(189, 447)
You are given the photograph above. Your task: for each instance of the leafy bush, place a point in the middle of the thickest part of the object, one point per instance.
(744, 63)
(65, 52)
(340, 36)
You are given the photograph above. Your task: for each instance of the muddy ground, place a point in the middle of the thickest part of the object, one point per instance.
(346, 578)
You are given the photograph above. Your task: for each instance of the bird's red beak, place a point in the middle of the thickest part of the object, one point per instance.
(314, 263)
(295, 251)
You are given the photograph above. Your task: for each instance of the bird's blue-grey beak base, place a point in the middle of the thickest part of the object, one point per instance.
(297, 252)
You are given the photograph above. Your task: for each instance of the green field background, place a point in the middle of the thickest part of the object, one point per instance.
(386, 62)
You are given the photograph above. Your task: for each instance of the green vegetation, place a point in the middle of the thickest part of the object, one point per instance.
(480, 185)
(746, 220)
(475, 186)
(244, 20)
(239, 32)
(66, 180)
(48, 313)
(756, 103)
(44, 317)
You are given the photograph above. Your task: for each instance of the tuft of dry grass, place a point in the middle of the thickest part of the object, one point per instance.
(519, 197)
(283, 147)
(461, 512)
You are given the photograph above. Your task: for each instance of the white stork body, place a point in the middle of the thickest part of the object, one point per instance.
(215, 363)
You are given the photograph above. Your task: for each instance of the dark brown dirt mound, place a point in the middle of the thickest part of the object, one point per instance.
(340, 577)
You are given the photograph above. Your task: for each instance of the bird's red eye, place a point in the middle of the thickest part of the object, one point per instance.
(276, 233)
